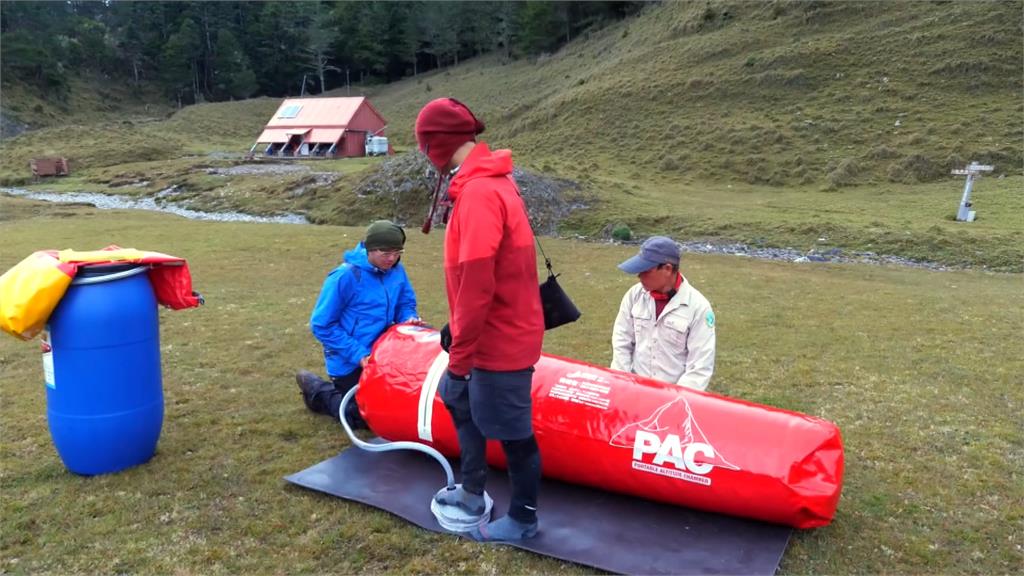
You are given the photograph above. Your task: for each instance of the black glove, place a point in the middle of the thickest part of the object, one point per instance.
(446, 338)
(454, 376)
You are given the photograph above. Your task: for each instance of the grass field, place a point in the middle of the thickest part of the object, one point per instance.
(922, 371)
(778, 124)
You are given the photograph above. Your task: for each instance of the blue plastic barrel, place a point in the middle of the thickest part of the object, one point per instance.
(104, 395)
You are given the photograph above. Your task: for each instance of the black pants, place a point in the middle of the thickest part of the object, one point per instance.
(329, 400)
(497, 405)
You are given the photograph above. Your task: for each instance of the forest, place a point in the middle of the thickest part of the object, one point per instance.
(213, 51)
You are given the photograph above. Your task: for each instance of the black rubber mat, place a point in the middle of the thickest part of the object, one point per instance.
(599, 529)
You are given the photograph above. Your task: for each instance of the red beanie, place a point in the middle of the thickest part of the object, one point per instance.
(442, 126)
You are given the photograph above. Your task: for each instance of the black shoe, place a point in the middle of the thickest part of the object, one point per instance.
(310, 384)
(354, 418)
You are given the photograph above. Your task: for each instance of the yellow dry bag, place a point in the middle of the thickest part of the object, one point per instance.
(30, 291)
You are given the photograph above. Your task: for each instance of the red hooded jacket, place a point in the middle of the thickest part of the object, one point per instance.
(490, 269)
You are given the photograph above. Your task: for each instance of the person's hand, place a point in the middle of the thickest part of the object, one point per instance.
(460, 378)
(446, 337)
(364, 361)
(416, 321)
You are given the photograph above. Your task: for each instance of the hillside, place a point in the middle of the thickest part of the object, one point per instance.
(774, 93)
(814, 125)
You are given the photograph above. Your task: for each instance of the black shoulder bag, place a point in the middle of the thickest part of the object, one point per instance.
(558, 307)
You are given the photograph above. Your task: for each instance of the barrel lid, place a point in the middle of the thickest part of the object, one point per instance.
(94, 273)
(92, 270)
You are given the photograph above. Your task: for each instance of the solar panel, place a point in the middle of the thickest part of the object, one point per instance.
(290, 111)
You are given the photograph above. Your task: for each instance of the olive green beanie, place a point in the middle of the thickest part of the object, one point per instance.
(384, 235)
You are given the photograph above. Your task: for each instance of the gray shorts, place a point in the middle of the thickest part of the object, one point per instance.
(498, 402)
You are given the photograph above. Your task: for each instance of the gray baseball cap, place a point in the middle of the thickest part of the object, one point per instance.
(655, 250)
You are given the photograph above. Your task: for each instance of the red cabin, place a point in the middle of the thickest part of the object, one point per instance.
(330, 127)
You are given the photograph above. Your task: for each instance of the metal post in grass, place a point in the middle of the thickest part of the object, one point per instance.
(972, 171)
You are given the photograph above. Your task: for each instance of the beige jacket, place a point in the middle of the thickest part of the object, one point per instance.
(677, 347)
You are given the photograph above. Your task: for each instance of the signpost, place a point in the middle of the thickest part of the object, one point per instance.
(973, 171)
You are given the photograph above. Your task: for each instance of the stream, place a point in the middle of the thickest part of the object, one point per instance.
(115, 202)
(833, 255)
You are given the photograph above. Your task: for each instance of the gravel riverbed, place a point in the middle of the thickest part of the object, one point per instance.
(160, 204)
(157, 203)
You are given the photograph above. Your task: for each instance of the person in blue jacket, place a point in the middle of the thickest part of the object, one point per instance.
(359, 300)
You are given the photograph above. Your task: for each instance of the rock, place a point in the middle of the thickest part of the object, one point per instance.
(408, 180)
(9, 127)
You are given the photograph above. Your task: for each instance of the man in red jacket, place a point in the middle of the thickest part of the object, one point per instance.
(495, 316)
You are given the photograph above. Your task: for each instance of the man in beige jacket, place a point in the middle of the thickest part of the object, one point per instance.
(665, 328)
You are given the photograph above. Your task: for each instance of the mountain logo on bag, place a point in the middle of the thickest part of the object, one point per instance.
(670, 442)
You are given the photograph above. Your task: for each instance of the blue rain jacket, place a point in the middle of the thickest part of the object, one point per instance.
(357, 303)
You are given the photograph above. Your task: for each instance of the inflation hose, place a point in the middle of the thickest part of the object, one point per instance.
(388, 446)
(449, 517)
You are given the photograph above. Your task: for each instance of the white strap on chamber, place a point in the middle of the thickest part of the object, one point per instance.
(425, 417)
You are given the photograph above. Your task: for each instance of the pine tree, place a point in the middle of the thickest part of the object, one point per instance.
(180, 62)
(232, 74)
(505, 28)
(402, 37)
(440, 34)
(318, 44)
(539, 26)
(276, 39)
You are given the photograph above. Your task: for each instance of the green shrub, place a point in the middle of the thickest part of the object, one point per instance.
(622, 233)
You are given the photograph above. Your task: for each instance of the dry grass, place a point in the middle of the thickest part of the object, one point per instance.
(921, 371)
(776, 93)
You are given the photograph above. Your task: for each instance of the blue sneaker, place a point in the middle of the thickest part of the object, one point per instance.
(504, 529)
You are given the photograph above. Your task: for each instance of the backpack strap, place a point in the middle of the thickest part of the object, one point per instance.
(356, 271)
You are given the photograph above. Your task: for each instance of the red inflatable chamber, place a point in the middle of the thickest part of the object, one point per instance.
(625, 433)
